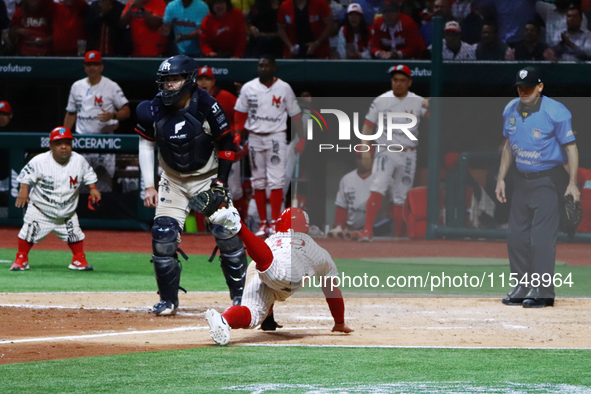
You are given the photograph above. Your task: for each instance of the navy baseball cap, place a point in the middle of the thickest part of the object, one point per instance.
(528, 76)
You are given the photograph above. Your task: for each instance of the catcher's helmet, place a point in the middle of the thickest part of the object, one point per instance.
(293, 218)
(60, 133)
(177, 65)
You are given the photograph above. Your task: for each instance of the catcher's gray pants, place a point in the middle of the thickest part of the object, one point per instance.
(533, 229)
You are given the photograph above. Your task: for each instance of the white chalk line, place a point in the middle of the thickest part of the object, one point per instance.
(114, 334)
(415, 347)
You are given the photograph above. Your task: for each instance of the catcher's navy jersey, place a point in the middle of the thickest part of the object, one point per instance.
(537, 134)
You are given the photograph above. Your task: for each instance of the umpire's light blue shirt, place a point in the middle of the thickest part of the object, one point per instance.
(537, 134)
(186, 20)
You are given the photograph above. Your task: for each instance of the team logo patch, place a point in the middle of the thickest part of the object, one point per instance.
(165, 66)
(73, 181)
(522, 74)
(569, 133)
(98, 101)
(536, 133)
(275, 160)
(512, 120)
(276, 101)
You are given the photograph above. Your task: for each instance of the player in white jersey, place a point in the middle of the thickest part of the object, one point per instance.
(278, 269)
(395, 159)
(262, 108)
(96, 105)
(54, 179)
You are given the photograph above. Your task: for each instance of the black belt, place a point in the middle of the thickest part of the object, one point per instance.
(536, 175)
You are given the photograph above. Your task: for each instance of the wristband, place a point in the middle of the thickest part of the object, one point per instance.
(92, 187)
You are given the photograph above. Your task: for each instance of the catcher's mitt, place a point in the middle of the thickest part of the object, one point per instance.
(209, 201)
(574, 214)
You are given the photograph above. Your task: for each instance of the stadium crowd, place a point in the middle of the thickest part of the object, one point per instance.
(555, 30)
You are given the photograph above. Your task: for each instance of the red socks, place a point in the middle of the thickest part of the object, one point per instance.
(242, 207)
(276, 201)
(237, 316)
(257, 249)
(399, 223)
(260, 197)
(374, 204)
(24, 247)
(77, 247)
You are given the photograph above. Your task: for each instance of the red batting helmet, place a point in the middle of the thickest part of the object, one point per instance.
(295, 219)
(60, 133)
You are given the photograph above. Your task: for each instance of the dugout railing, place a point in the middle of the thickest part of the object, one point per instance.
(20, 146)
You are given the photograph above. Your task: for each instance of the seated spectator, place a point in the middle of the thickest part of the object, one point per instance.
(460, 9)
(223, 31)
(453, 46)
(186, 16)
(31, 28)
(103, 33)
(354, 36)
(338, 14)
(413, 8)
(262, 25)
(68, 26)
(574, 43)
(144, 18)
(531, 48)
(304, 27)
(371, 9)
(395, 35)
(440, 8)
(554, 17)
(511, 16)
(490, 48)
(243, 5)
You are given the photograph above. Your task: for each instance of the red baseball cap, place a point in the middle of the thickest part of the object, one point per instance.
(93, 57)
(60, 133)
(205, 72)
(453, 26)
(5, 107)
(401, 68)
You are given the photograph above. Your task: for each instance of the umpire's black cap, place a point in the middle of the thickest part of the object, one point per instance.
(528, 76)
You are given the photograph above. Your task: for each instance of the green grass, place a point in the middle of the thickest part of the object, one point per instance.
(301, 369)
(133, 272)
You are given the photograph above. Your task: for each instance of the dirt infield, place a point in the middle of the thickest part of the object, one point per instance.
(120, 323)
(67, 325)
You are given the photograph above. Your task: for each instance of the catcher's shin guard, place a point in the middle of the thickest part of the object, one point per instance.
(168, 278)
(234, 264)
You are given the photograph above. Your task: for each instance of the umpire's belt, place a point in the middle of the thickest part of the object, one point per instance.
(537, 175)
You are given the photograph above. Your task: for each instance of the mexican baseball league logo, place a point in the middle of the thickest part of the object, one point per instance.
(276, 101)
(98, 101)
(74, 182)
(522, 74)
(536, 133)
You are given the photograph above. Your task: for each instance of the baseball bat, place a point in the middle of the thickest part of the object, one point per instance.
(294, 200)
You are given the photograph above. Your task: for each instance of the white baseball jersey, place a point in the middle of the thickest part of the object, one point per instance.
(387, 102)
(55, 187)
(353, 195)
(267, 107)
(295, 255)
(89, 101)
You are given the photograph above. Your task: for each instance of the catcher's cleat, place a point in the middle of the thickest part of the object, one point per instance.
(164, 308)
(271, 228)
(20, 264)
(218, 327)
(262, 233)
(365, 236)
(79, 263)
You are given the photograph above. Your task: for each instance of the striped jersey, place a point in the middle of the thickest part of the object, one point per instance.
(54, 188)
(267, 107)
(298, 255)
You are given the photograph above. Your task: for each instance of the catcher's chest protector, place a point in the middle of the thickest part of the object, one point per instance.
(183, 143)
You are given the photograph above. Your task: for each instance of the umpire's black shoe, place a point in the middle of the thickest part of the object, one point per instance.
(515, 296)
(537, 299)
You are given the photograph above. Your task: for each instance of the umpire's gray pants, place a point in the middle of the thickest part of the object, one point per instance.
(533, 229)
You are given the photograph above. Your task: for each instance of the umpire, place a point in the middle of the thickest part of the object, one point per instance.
(541, 141)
